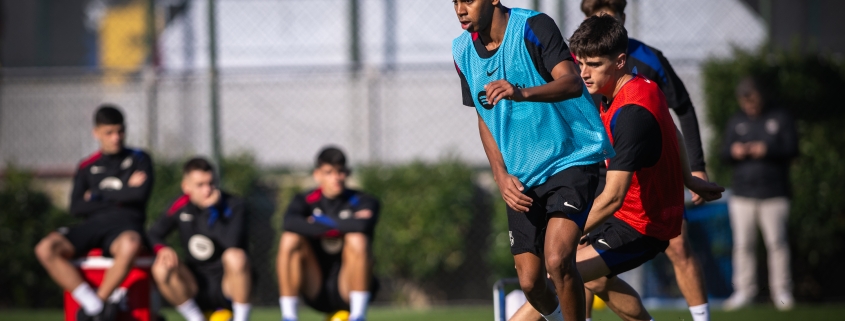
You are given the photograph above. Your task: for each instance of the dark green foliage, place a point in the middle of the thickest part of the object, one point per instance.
(809, 86)
(26, 216)
(425, 216)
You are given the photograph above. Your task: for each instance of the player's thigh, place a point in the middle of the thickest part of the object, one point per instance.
(188, 280)
(312, 272)
(590, 264)
(561, 241)
(679, 247)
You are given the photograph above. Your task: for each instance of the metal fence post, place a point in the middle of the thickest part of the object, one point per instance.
(214, 87)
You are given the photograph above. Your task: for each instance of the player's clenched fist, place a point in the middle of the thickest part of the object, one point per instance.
(502, 89)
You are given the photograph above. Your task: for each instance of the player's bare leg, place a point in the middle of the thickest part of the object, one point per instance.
(124, 248)
(298, 272)
(54, 252)
(355, 273)
(620, 297)
(237, 282)
(689, 274)
(176, 284)
(532, 280)
(562, 235)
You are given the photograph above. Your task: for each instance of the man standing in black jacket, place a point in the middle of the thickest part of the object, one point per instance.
(325, 252)
(760, 142)
(110, 191)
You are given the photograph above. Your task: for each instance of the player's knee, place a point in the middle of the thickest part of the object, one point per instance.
(45, 249)
(677, 251)
(559, 264)
(289, 242)
(356, 243)
(161, 272)
(235, 259)
(531, 281)
(127, 244)
(598, 286)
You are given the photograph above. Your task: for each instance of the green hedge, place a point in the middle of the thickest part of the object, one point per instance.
(809, 87)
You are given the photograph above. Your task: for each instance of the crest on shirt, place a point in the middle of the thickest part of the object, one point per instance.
(317, 211)
(112, 183)
(344, 214)
(185, 217)
(200, 247)
(98, 169)
(741, 129)
(772, 126)
(332, 245)
(126, 163)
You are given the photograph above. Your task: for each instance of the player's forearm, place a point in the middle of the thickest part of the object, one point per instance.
(303, 227)
(83, 208)
(566, 87)
(692, 138)
(682, 153)
(128, 194)
(494, 156)
(610, 200)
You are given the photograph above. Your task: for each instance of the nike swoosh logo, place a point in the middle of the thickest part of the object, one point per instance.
(603, 242)
(490, 73)
(569, 205)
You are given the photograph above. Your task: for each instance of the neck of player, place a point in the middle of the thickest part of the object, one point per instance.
(493, 35)
(624, 78)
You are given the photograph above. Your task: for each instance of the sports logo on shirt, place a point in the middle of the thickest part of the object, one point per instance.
(482, 100)
(126, 163)
(200, 247)
(98, 169)
(332, 245)
(185, 217)
(344, 214)
(112, 183)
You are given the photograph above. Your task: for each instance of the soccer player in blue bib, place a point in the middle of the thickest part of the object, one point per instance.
(543, 138)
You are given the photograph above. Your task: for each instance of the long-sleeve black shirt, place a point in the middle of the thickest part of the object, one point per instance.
(315, 216)
(106, 178)
(204, 233)
(769, 176)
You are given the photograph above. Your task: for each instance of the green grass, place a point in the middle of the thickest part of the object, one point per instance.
(485, 313)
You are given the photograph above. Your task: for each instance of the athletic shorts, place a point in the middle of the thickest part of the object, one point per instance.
(329, 299)
(209, 278)
(570, 191)
(622, 247)
(99, 232)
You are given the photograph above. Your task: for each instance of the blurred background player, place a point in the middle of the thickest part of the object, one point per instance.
(543, 138)
(650, 63)
(325, 252)
(110, 191)
(211, 225)
(760, 143)
(641, 207)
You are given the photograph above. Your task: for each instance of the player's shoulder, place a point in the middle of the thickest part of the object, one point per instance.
(231, 200)
(640, 48)
(178, 204)
(356, 198)
(309, 197)
(137, 153)
(90, 160)
(541, 22)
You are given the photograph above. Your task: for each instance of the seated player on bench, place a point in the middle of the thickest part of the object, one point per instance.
(212, 230)
(325, 250)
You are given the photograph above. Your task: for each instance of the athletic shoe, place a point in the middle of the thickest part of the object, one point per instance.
(737, 301)
(784, 301)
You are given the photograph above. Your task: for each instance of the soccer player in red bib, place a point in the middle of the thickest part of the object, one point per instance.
(641, 206)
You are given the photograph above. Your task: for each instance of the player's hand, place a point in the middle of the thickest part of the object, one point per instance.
(511, 190)
(697, 199)
(210, 200)
(502, 89)
(87, 196)
(706, 190)
(167, 257)
(137, 179)
(738, 151)
(757, 149)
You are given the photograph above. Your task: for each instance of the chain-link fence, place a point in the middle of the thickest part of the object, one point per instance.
(283, 78)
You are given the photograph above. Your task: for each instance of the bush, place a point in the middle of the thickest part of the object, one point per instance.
(25, 217)
(808, 86)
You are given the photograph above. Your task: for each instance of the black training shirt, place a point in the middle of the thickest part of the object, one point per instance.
(106, 178)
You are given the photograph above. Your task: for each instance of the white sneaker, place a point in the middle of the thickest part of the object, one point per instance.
(737, 301)
(784, 301)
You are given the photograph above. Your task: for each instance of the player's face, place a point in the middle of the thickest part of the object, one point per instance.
(110, 138)
(474, 15)
(198, 185)
(332, 179)
(601, 73)
(751, 104)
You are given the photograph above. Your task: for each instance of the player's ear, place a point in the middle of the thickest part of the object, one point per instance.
(621, 60)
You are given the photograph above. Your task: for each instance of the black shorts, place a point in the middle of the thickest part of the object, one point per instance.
(209, 278)
(99, 232)
(622, 247)
(329, 300)
(570, 191)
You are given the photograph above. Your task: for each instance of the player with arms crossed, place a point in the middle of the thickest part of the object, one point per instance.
(641, 206)
(543, 138)
(650, 63)
(325, 252)
(110, 191)
(212, 229)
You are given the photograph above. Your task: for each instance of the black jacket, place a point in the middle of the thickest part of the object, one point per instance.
(769, 176)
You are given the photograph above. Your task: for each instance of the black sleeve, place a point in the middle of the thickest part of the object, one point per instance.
(296, 219)
(728, 140)
(138, 194)
(636, 139)
(78, 205)
(678, 100)
(235, 227)
(785, 146)
(161, 228)
(552, 49)
(361, 224)
(466, 93)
